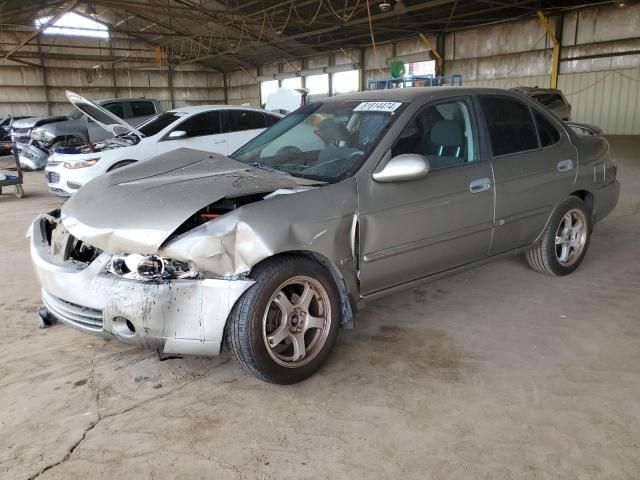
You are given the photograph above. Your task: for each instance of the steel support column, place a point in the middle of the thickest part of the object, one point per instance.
(555, 59)
(45, 77)
(170, 84)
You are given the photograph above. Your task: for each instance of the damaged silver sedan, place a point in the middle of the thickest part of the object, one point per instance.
(271, 251)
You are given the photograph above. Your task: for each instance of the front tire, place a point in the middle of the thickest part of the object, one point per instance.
(565, 240)
(284, 327)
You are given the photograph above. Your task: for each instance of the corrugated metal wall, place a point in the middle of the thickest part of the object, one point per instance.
(32, 90)
(599, 69)
(610, 99)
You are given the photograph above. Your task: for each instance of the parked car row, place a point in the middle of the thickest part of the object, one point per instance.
(270, 248)
(37, 137)
(5, 133)
(213, 128)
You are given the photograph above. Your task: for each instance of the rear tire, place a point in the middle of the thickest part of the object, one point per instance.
(565, 240)
(284, 327)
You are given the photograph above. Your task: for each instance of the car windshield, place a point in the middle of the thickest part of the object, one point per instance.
(158, 123)
(325, 141)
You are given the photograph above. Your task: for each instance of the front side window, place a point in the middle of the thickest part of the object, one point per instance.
(239, 120)
(442, 133)
(549, 135)
(510, 124)
(327, 141)
(207, 123)
(142, 109)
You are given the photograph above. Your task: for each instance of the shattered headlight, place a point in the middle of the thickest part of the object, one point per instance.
(89, 162)
(149, 267)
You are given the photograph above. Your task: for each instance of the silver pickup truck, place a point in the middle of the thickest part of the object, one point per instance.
(37, 136)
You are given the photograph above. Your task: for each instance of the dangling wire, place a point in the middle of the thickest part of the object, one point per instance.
(373, 40)
(300, 18)
(280, 30)
(344, 17)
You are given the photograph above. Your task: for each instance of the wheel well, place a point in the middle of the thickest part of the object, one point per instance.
(346, 302)
(588, 198)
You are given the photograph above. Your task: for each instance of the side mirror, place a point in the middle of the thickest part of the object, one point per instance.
(177, 134)
(408, 166)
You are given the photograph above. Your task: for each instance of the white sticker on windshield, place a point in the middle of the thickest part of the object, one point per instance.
(377, 107)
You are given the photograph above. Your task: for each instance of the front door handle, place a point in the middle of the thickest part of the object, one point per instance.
(565, 165)
(219, 141)
(480, 185)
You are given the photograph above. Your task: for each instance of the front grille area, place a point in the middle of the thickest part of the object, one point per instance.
(53, 177)
(63, 245)
(53, 163)
(84, 318)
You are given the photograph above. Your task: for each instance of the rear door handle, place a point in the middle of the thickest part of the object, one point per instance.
(565, 165)
(219, 141)
(480, 185)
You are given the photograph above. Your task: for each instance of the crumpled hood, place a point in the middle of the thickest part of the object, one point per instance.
(136, 208)
(35, 121)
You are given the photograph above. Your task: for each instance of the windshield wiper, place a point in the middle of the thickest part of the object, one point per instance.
(262, 166)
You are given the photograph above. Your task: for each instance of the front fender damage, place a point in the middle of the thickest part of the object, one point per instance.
(315, 224)
(225, 248)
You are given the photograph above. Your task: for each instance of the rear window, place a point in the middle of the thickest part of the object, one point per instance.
(142, 109)
(550, 100)
(510, 124)
(238, 120)
(98, 114)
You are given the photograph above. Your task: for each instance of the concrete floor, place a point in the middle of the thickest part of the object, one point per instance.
(496, 373)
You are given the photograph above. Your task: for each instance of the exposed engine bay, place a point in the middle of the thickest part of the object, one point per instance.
(120, 141)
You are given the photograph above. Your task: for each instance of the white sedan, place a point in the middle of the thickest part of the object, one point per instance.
(213, 128)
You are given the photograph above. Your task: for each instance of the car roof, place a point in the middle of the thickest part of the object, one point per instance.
(413, 93)
(534, 90)
(100, 102)
(205, 108)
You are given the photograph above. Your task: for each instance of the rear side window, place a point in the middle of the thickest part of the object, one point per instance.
(238, 120)
(207, 123)
(510, 124)
(550, 100)
(142, 109)
(116, 108)
(548, 134)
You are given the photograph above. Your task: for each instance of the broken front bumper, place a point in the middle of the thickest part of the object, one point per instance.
(177, 316)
